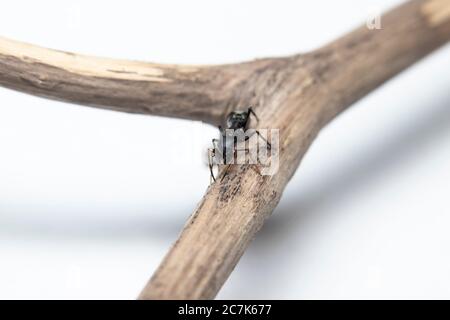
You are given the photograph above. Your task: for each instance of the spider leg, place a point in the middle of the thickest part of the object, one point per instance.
(250, 111)
(225, 172)
(253, 166)
(211, 154)
(267, 142)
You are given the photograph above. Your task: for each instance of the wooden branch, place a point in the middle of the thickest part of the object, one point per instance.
(192, 92)
(298, 95)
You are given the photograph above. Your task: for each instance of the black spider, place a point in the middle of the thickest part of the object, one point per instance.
(236, 120)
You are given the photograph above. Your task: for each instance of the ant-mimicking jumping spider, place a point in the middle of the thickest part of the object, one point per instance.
(236, 120)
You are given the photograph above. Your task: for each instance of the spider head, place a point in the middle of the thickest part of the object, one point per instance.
(237, 119)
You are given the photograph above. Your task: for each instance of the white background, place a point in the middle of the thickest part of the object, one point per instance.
(91, 200)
